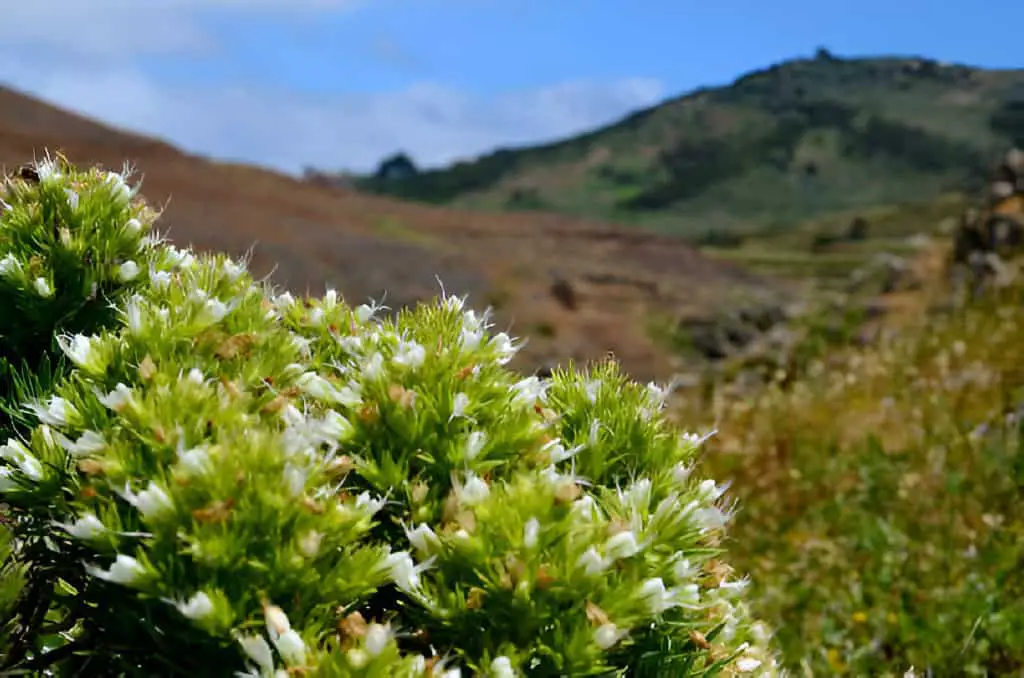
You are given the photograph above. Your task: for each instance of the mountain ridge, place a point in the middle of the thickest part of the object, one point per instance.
(796, 140)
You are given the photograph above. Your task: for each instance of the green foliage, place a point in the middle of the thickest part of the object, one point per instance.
(224, 478)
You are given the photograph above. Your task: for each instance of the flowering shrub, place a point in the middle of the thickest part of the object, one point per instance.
(203, 476)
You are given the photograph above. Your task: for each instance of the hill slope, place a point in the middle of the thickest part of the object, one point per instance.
(310, 236)
(796, 141)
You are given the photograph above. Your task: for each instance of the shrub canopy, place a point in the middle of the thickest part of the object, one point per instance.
(204, 476)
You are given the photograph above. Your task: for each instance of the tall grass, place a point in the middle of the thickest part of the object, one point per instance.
(881, 496)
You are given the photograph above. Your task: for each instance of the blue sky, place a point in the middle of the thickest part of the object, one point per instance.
(341, 83)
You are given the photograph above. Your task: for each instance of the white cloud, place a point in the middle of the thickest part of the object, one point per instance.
(119, 28)
(76, 55)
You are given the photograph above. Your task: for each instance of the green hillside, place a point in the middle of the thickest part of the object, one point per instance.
(793, 142)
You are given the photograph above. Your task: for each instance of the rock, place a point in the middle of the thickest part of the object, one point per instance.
(858, 229)
(999, 190)
(563, 292)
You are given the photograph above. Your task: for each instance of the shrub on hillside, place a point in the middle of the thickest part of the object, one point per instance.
(202, 476)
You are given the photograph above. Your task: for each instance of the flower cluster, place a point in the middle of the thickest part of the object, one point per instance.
(231, 477)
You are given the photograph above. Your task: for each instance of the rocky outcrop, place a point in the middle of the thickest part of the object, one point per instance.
(998, 227)
(989, 240)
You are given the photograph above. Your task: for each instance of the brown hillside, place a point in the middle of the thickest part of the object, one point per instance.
(577, 289)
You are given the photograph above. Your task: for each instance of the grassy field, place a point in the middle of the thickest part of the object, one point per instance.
(879, 491)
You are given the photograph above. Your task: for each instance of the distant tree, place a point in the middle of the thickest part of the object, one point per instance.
(822, 54)
(396, 167)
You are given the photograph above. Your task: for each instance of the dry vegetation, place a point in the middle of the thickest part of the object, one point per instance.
(880, 493)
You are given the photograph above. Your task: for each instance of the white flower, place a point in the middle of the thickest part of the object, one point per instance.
(557, 453)
(72, 198)
(371, 505)
(681, 473)
(284, 300)
(710, 491)
(531, 532)
(316, 386)
(459, 404)
(591, 562)
(120, 190)
(292, 647)
(711, 518)
(301, 345)
(585, 508)
(56, 412)
(151, 502)
(592, 388)
(214, 310)
(656, 596)
(475, 442)
(129, 270)
(118, 399)
(471, 338)
(159, 279)
(501, 667)
(748, 664)
(9, 265)
(504, 348)
(42, 288)
(423, 539)
(607, 635)
(657, 394)
(133, 314)
(232, 270)
(199, 606)
(124, 570)
(734, 587)
(377, 638)
(16, 452)
(373, 366)
(622, 545)
(294, 479)
(195, 461)
(196, 376)
(47, 170)
(180, 258)
(682, 570)
(688, 594)
(133, 226)
(404, 572)
(410, 354)
(453, 303)
(528, 391)
(638, 495)
(83, 352)
(334, 427)
(474, 491)
(276, 620)
(258, 650)
(86, 527)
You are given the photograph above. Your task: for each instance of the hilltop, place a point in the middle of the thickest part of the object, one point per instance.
(800, 140)
(578, 289)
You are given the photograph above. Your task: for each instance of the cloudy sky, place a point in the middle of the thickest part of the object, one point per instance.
(341, 83)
